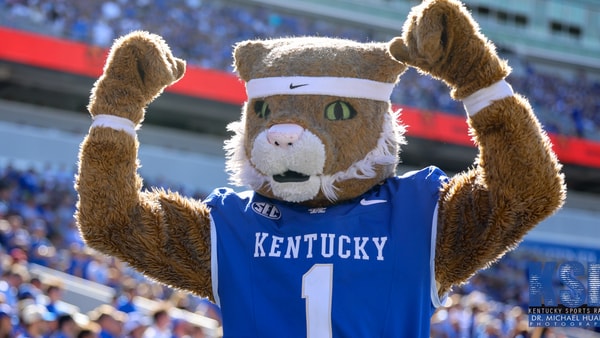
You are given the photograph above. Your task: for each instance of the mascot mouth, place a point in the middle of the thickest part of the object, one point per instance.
(290, 176)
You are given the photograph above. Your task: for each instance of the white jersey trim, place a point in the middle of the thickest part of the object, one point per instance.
(435, 298)
(214, 264)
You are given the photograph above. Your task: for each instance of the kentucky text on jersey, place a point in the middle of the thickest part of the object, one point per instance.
(320, 245)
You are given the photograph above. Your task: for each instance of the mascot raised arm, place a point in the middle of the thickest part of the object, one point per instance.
(327, 241)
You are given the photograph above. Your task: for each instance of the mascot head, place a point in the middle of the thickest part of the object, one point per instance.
(318, 127)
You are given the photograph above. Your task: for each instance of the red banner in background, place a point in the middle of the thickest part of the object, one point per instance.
(435, 126)
(81, 59)
(453, 129)
(48, 52)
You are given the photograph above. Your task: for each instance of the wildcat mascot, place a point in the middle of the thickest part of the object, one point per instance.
(327, 241)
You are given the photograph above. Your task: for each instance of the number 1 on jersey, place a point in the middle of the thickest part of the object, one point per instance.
(317, 288)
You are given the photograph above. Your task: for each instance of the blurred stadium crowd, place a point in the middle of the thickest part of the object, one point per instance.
(37, 206)
(37, 226)
(203, 32)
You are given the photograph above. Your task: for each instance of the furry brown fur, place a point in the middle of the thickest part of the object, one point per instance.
(515, 182)
(314, 56)
(160, 233)
(484, 212)
(441, 39)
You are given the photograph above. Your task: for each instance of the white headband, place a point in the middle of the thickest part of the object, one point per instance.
(311, 85)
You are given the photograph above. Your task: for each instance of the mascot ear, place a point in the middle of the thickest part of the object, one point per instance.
(245, 55)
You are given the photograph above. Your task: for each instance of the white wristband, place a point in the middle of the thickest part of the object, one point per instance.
(486, 96)
(115, 122)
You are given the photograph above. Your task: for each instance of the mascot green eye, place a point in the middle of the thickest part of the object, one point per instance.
(339, 110)
(261, 108)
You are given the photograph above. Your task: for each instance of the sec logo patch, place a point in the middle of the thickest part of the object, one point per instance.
(267, 210)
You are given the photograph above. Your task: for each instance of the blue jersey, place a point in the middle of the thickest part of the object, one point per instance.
(362, 268)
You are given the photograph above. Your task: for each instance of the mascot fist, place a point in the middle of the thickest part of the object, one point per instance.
(441, 38)
(139, 66)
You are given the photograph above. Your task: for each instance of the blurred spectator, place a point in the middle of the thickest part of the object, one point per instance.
(110, 321)
(98, 269)
(161, 324)
(30, 289)
(41, 250)
(87, 333)
(5, 193)
(54, 294)
(80, 259)
(136, 325)
(16, 235)
(89, 330)
(6, 321)
(35, 320)
(180, 328)
(70, 236)
(66, 328)
(11, 282)
(125, 302)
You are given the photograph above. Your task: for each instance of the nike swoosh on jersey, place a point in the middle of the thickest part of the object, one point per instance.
(371, 202)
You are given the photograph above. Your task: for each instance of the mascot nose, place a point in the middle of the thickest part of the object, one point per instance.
(284, 135)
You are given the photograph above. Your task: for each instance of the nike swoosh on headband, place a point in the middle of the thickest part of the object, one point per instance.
(293, 86)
